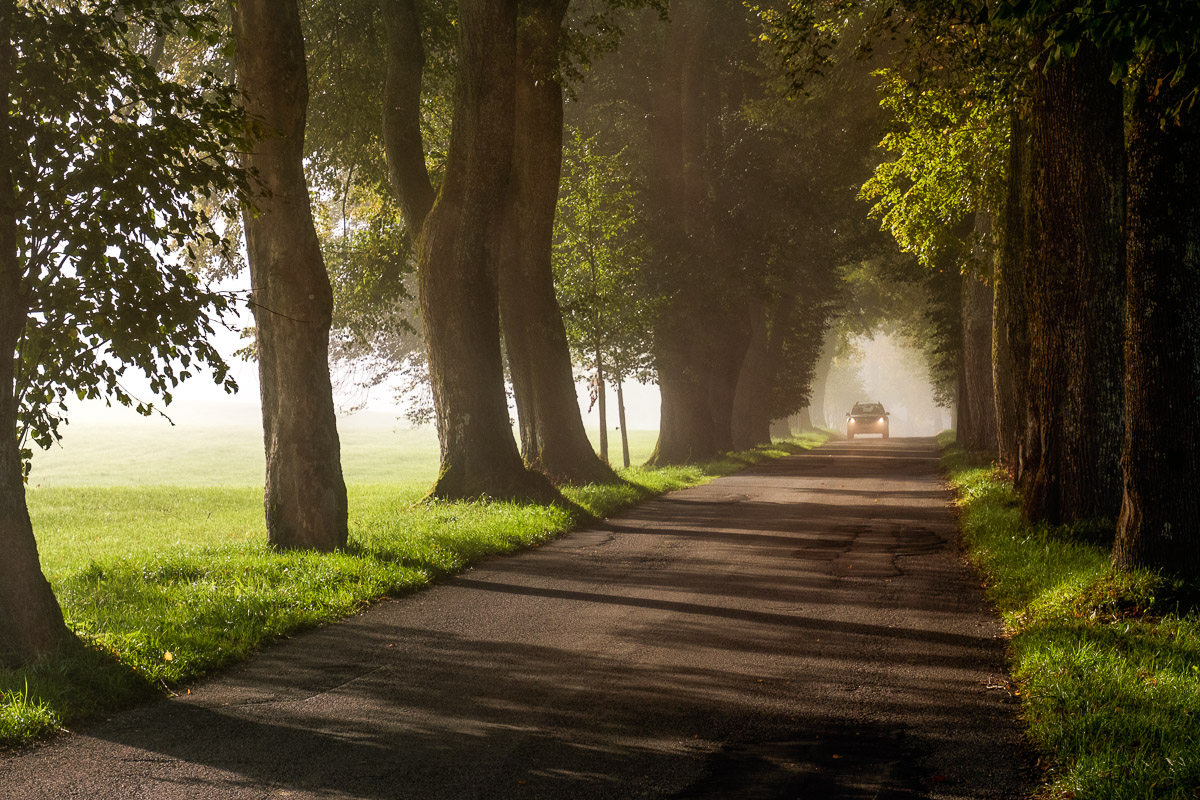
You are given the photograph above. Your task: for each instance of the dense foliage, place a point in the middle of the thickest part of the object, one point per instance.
(110, 173)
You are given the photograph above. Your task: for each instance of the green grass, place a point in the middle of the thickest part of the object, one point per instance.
(165, 584)
(1107, 663)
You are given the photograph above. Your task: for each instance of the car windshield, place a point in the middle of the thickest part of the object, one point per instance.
(867, 408)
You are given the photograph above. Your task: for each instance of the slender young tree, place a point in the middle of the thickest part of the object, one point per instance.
(305, 496)
(597, 253)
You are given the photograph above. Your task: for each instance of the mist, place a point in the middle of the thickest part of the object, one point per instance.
(882, 368)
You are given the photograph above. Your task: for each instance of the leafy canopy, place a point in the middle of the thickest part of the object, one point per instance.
(110, 163)
(597, 256)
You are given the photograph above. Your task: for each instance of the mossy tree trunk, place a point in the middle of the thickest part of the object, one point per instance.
(1159, 522)
(305, 494)
(1074, 284)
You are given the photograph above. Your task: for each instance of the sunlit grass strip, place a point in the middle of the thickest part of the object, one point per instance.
(1107, 663)
(165, 584)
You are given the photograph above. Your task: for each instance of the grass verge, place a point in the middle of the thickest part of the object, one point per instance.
(1107, 663)
(166, 584)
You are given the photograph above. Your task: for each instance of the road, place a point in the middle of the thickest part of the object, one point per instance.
(804, 629)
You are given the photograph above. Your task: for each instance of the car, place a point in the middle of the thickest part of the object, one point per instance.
(867, 418)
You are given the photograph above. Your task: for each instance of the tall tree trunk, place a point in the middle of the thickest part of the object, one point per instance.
(621, 422)
(1074, 278)
(964, 421)
(685, 428)
(293, 303)
(1010, 331)
(781, 429)
(602, 404)
(751, 404)
(683, 336)
(977, 301)
(816, 397)
(456, 242)
(1159, 522)
(31, 623)
(402, 141)
(553, 438)
(728, 355)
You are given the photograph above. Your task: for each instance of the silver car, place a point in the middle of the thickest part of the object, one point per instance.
(867, 418)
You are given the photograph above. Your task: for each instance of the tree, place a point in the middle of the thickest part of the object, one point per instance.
(456, 227)
(597, 254)
(305, 495)
(938, 197)
(1010, 332)
(102, 162)
(1159, 523)
(552, 435)
(1074, 257)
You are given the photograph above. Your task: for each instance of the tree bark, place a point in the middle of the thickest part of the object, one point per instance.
(457, 265)
(1159, 522)
(459, 233)
(553, 439)
(977, 301)
(402, 141)
(728, 355)
(752, 402)
(682, 343)
(781, 429)
(802, 421)
(31, 622)
(1010, 334)
(816, 400)
(685, 428)
(964, 421)
(293, 303)
(1074, 277)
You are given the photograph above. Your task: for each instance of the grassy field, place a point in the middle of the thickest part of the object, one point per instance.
(166, 583)
(216, 451)
(1107, 664)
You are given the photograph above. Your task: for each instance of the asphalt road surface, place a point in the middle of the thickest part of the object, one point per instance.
(804, 629)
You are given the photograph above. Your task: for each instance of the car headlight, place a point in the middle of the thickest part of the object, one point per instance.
(852, 420)
(881, 419)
